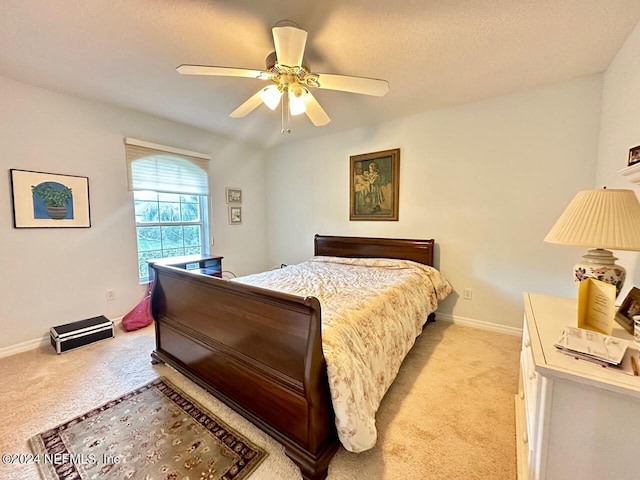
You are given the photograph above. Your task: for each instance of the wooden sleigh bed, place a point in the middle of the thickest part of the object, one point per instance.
(260, 351)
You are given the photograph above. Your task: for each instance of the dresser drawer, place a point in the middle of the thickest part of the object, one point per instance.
(522, 437)
(530, 385)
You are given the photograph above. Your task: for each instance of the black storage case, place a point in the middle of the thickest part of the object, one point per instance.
(83, 332)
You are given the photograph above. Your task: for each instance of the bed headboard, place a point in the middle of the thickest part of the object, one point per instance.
(420, 251)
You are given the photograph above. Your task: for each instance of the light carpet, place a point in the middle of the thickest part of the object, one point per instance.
(449, 414)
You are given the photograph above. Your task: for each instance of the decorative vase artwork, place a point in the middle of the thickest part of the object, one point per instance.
(43, 200)
(52, 200)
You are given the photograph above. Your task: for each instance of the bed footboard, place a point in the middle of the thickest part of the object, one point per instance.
(257, 350)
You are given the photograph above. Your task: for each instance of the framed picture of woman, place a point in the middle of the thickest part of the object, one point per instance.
(374, 185)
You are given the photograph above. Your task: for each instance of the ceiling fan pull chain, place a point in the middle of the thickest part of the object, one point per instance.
(285, 114)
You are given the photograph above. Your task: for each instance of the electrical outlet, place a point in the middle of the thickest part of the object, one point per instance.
(468, 294)
(111, 295)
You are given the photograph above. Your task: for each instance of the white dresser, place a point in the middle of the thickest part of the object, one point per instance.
(574, 419)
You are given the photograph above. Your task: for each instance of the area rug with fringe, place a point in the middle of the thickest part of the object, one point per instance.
(153, 432)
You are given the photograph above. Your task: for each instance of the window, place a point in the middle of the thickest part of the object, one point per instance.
(168, 225)
(170, 193)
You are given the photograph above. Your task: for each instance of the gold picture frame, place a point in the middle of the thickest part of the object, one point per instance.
(374, 185)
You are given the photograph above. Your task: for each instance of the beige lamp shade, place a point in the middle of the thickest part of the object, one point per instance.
(600, 218)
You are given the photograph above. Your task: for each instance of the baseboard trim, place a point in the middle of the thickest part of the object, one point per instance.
(469, 322)
(472, 322)
(24, 346)
(35, 343)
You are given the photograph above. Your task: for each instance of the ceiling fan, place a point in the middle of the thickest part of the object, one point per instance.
(290, 79)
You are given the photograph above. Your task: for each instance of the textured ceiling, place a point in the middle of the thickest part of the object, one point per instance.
(434, 53)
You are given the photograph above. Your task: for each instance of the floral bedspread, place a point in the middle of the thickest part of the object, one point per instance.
(372, 312)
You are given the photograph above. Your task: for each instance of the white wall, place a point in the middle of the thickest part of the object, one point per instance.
(54, 276)
(619, 132)
(486, 180)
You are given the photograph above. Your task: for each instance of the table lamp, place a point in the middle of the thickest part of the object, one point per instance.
(600, 219)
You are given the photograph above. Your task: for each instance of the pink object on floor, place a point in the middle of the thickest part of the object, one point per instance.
(140, 316)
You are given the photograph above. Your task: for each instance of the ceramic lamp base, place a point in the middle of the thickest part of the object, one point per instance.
(601, 265)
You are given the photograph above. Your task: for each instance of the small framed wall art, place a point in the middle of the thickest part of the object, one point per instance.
(49, 200)
(374, 185)
(234, 195)
(235, 215)
(634, 156)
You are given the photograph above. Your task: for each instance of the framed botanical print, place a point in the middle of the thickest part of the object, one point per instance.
(374, 185)
(49, 200)
(235, 215)
(234, 195)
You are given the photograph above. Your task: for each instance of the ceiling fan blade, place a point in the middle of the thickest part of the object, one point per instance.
(247, 107)
(315, 112)
(218, 71)
(363, 85)
(289, 43)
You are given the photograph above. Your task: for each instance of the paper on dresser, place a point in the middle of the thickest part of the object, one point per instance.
(589, 344)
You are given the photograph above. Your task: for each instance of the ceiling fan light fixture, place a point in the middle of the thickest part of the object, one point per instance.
(296, 105)
(271, 96)
(287, 73)
(296, 99)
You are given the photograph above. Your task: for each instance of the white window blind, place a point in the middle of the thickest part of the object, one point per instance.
(165, 169)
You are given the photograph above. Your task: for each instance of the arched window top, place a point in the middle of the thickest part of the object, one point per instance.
(165, 169)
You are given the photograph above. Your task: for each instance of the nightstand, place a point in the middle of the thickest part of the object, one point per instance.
(204, 264)
(574, 419)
